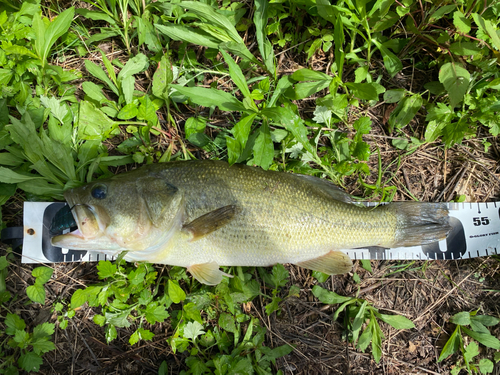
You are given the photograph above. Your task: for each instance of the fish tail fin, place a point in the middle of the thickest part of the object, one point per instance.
(420, 223)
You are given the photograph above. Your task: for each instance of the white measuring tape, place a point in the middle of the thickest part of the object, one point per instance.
(475, 233)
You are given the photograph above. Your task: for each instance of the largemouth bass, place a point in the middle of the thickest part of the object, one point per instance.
(205, 214)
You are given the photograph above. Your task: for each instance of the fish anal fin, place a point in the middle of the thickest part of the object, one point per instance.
(210, 222)
(332, 263)
(207, 273)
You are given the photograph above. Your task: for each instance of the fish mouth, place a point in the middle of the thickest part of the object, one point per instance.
(90, 226)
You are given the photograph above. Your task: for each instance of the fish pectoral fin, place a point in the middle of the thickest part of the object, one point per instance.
(207, 273)
(210, 222)
(333, 263)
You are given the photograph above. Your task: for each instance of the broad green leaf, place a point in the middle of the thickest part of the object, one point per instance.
(5, 76)
(464, 48)
(106, 269)
(78, 298)
(96, 15)
(43, 345)
(194, 125)
(454, 132)
(365, 91)
(461, 22)
(162, 77)
(136, 64)
(359, 319)
(455, 80)
(36, 293)
(111, 333)
(486, 366)
(240, 49)
(44, 330)
(440, 12)
(404, 112)
(211, 97)
(8, 176)
(192, 312)
(310, 75)
(58, 109)
(394, 96)
(471, 351)
(127, 87)
(462, 318)
(483, 338)
(377, 337)
(30, 362)
(397, 321)
(233, 150)
(391, 62)
(140, 334)
(18, 50)
(57, 28)
(305, 89)
(237, 76)
(226, 322)
(328, 297)
(156, 313)
(6, 158)
(94, 92)
(241, 130)
(452, 345)
(128, 112)
(486, 320)
(42, 274)
(338, 37)
(175, 292)
(263, 149)
(366, 337)
(14, 322)
(93, 124)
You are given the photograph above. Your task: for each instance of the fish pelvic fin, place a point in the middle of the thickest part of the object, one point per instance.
(332, 263)
(210, 222)
(207, 273)
(419, 223)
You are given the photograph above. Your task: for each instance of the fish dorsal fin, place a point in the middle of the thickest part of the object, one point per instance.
(333, 263)
(328, 187)
(210, 222)
(162, 200)
(207, 273)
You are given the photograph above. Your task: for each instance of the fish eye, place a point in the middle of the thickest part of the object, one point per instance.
(99, 191)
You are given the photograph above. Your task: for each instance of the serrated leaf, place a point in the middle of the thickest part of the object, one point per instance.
(140, 334)
(455, 80)
(106, 269)
(43, 330)
(486, 366)
(30, 362)
(471, 351)
(193, 329)
(56, 106)
(93, 124)
(14, 323)
(43, 345)
(175, 292)
(36, 293)
(42, 274)
(156, 313)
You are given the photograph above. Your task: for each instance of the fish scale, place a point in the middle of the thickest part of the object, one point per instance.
(204, 214)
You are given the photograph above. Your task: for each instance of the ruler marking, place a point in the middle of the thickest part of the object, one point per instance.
(478, 208)
(487, 252)
(495, 250)
(477, 252)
